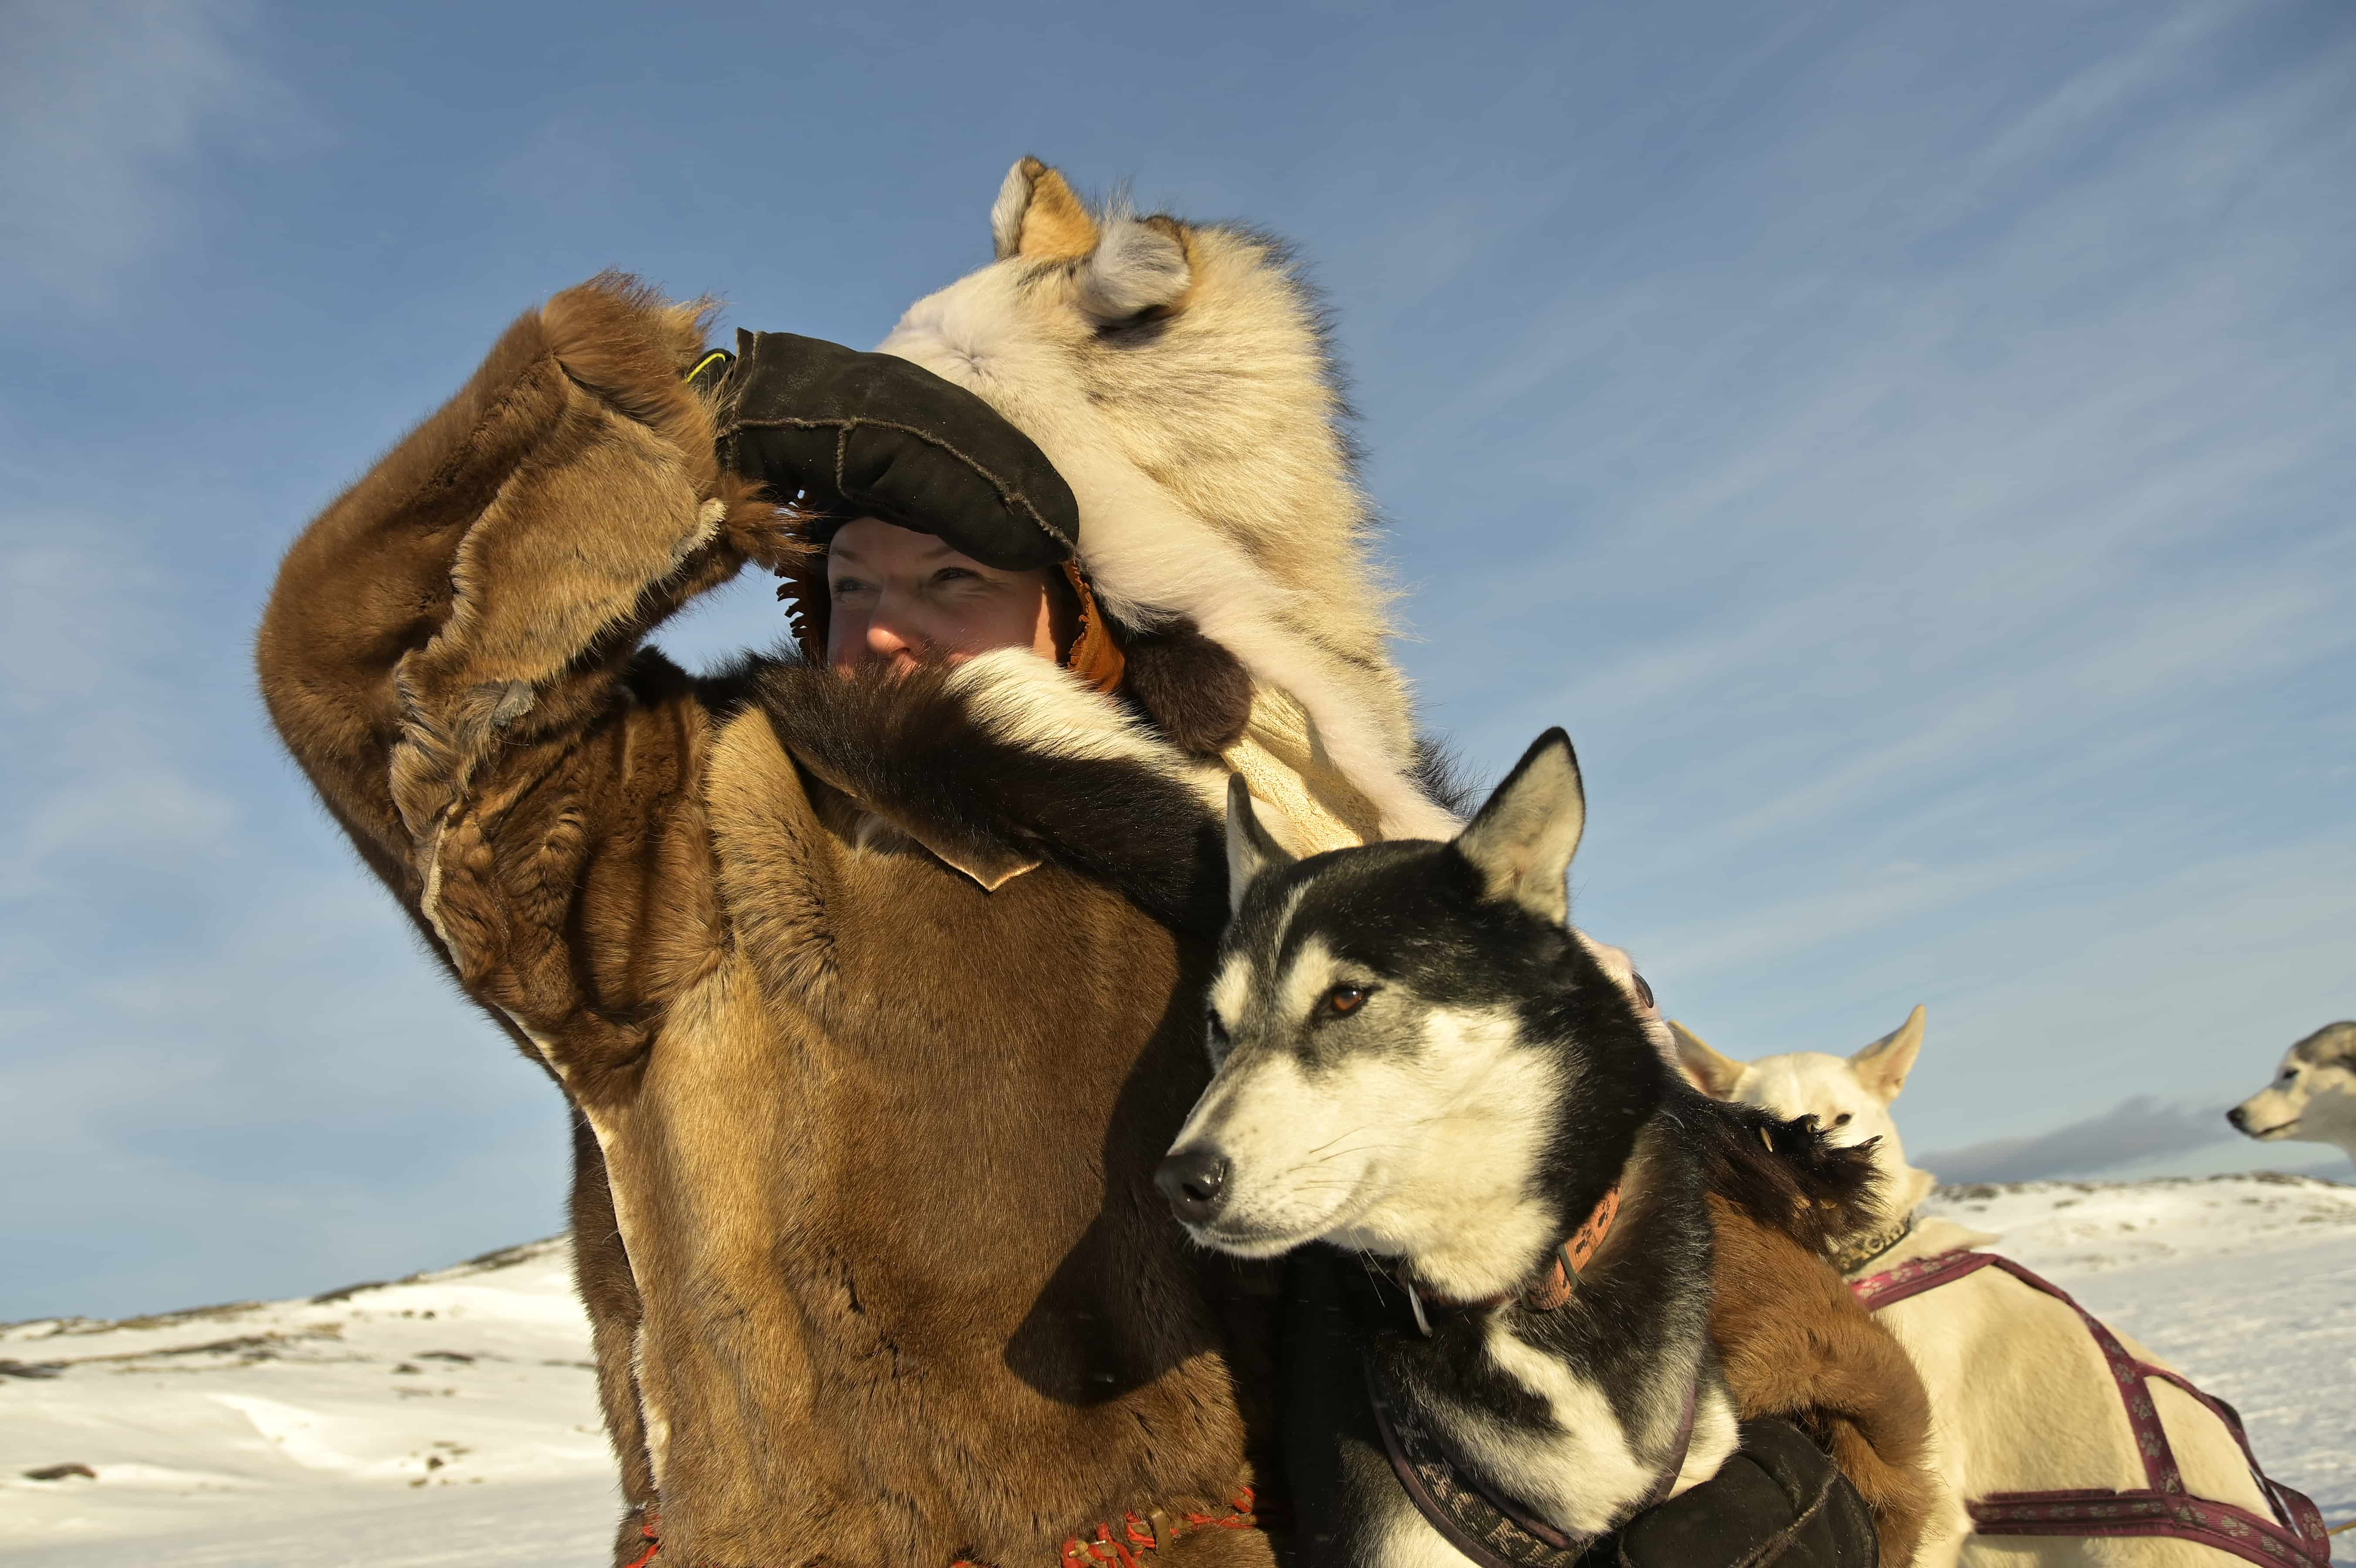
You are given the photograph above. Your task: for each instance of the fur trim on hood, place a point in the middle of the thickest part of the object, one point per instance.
(1177, 374)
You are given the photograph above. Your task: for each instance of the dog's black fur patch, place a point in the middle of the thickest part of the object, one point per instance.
(1439, 774)
(1787, 1175)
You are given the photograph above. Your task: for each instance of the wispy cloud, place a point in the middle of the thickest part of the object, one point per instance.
(224, 1028)
(104, 106)
(102, 775)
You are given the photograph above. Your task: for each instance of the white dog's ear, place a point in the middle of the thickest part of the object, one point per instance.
(1713, 1074)
(1140, 265)
(1250, 851)
(1522, 840)
(1882, 1066)
(1038, 218)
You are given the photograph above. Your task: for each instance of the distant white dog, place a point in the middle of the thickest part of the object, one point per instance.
(2021, 1399)
(2313, 1099)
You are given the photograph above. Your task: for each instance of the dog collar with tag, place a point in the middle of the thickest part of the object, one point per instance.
(1553, 1289)
(1862, 1250)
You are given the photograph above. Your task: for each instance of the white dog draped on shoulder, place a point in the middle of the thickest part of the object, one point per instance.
(1177, 374)
(2021, 1399)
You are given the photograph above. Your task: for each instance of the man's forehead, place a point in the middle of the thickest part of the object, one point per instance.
(923, 547)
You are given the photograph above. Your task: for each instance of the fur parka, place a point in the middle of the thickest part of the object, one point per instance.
(877, 1003)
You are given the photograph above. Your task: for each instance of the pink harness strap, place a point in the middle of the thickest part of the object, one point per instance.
(2294, 1538)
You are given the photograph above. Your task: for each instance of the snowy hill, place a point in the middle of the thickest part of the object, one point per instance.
(448, 1417)
(452, 1419)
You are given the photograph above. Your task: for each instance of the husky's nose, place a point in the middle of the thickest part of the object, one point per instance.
(1196, 1182)
(2240, 1118)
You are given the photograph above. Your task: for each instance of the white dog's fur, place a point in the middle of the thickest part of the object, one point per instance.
(1177, 374)
(2021, 1400)
(2313, 1097)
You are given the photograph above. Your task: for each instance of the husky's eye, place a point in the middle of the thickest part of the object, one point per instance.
(1842, 1120)
(1346, 999)
(1643, 989)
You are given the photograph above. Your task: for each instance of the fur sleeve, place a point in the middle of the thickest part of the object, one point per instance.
(452, 652)
(488, 581)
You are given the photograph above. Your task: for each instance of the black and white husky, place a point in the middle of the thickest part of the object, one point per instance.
(1418, 1061)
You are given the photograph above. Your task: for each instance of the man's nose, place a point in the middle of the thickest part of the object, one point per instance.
(889, 639)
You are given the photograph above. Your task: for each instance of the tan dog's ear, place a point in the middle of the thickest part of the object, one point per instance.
(1882, 1066)
(1713, 1074)
(1038, 218)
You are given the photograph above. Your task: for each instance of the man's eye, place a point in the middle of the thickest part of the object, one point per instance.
(956, 574)
(844, 587)
(1346, 999)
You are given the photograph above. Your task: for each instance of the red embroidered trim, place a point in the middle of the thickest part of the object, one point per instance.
(654, 1545)
(1146, 1533)
(2295, 1536)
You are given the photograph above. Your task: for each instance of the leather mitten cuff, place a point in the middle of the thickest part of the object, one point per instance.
(877, 435)
(1778, 1500)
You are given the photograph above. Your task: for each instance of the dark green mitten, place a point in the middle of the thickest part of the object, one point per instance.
(876, 435)
(1780, 1500)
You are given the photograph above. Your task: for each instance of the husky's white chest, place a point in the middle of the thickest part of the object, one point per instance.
(1581, 1470)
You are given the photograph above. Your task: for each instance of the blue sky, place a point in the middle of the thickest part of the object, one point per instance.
(1906, 443)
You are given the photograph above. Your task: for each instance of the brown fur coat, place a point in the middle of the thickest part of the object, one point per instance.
(863, 1207)
(1794, 1342)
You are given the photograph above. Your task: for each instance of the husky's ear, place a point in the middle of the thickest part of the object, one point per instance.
(1250, 851)
(1037, 216)
(1715, 1075)
(1140, 265)
(2333, 1045)
(1522, 840)
(1882, 1066)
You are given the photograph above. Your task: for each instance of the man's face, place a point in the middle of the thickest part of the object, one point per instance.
(902, 598)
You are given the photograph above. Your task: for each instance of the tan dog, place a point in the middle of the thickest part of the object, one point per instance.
(2021, 1399)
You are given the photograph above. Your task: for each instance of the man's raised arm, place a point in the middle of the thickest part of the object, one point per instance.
(485, 584)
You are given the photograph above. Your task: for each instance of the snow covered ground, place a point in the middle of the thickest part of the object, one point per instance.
(449, 1418)
(452, 1419)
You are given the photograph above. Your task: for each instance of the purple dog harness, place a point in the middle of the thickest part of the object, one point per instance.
(2294, 1538)
(1485, 1527)
(1490, 1530)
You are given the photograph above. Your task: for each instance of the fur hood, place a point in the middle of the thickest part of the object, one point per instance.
(1178, 375)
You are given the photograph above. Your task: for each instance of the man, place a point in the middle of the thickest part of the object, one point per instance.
(874, 978)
